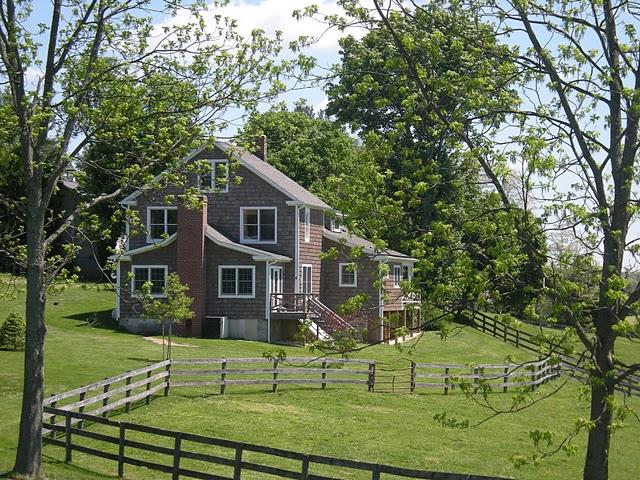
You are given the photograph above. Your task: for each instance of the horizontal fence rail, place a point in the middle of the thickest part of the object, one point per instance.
(522, 339)
(113, 393)
(231, 459)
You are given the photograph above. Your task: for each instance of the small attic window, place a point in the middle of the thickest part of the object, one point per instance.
(218, 179)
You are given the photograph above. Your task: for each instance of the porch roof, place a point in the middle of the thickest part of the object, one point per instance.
(369, 247)
(259, 255)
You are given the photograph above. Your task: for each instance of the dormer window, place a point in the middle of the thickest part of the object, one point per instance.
(334, 225)
(162, 222)
(218, 179)
(258, 225)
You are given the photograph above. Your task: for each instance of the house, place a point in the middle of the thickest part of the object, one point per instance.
(252, 256)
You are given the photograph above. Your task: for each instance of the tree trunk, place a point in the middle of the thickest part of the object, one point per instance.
(29, 454)
(596, 466)
(169, 345)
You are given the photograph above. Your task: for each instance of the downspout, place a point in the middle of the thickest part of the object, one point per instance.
(267, 307)
(381, 306)
(118, 299)
(296, 277)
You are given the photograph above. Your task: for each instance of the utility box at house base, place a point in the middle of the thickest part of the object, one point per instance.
(215, 327)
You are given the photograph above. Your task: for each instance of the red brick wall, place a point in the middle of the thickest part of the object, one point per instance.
(191, 261)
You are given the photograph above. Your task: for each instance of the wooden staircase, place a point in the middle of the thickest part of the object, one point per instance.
(307, 307)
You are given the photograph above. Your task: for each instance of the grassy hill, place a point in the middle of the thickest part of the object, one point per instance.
(84, 345)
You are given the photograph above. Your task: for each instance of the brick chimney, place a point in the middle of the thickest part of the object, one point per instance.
(192, 225)
(260, 147)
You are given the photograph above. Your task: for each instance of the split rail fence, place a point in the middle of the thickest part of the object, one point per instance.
(68, 414)
(522, 339)
(187, 454)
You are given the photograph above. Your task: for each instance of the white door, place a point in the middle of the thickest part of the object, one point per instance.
(276, 286)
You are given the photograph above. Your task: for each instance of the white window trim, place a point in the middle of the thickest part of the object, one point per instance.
(307, 224)
(355, 276)
(275, 226)
(158, 207)
(148, 267)
(210, 188)
(397, 268)
(302, 267)
(236, 267)
(334, 226)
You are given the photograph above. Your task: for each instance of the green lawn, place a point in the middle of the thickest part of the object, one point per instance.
(342, 421)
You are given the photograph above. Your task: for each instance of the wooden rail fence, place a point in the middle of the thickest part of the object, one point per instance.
(521, 339)
(235, 458)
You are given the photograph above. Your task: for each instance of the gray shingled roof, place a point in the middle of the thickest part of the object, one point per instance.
(272, 175)
(369, 248)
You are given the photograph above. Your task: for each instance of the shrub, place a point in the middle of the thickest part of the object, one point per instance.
(12, 333)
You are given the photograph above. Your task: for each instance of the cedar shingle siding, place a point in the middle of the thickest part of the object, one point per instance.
(247, 317)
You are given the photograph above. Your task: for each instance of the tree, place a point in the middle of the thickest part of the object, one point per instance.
(574, 133)
(307, 148)
(174, 308)
(464, 236)
(12, 332)
(95, 53)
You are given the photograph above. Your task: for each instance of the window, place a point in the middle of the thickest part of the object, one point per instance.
(236, 282)
(258, 225)
(156, 274)
(306, 283)
(334, 223)
(218, 179)
(406, 272)
(307, 224)
(161, 222)
(397, 275)
(348, 275)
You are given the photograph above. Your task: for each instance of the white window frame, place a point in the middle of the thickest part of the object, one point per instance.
(397, 277)
(302, 267)
(307, 224)
(236, 267)
(166, 208)
(148, 267)
(275, 226)
(212, 188)
(334, 226)
(355, 275)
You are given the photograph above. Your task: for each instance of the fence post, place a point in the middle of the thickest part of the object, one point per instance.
(495, 324)
(413, 376)
(105, 402)
(176, 457)
(375, 473)
(533, 377)
(484, 324)
(148, 397)
(167, 379)
(517, 338)
(540, 368)
(372, 376)
(83, 395)
(274, 388)
(506, 377)
(53, 418)
(475, 380)
(67, 436)
(121, 450)
(446, 381)
(324, 376)
(504, 334)
(237, 470)
(304, 475)
(127, 395)
(223, 375)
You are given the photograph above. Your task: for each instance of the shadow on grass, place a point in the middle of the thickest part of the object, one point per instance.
(87, 473)
(99, 319)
